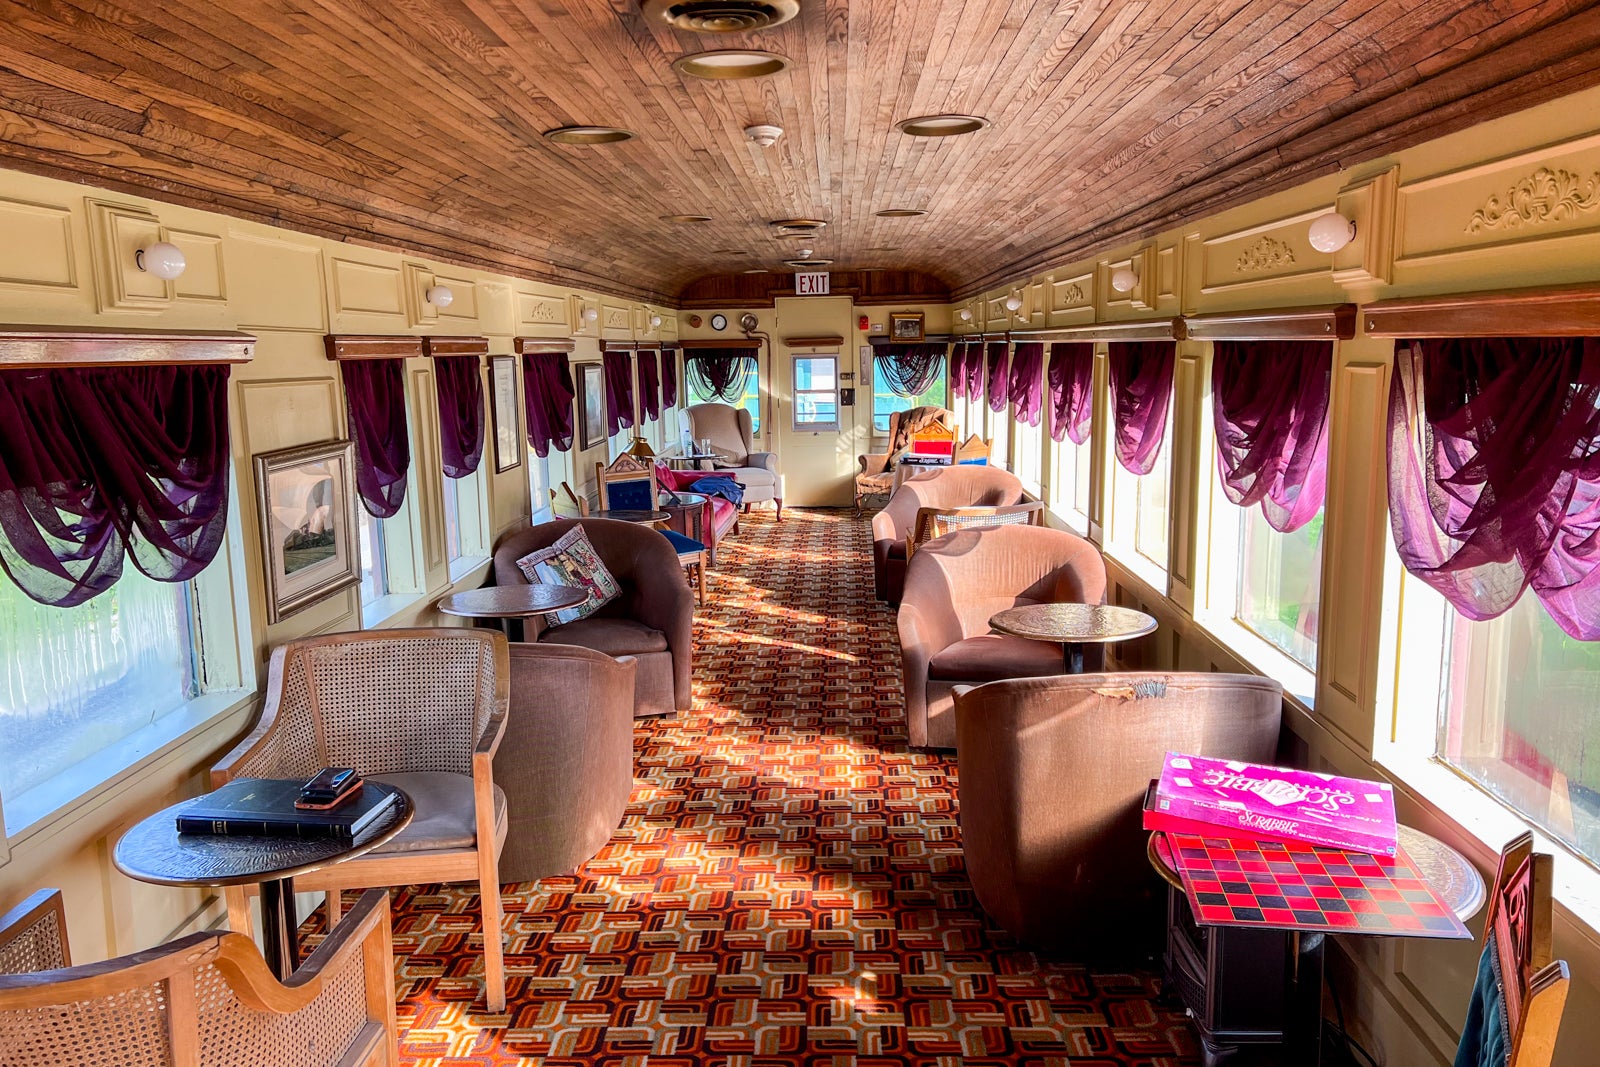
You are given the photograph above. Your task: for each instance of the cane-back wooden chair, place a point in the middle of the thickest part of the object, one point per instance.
(33, 935)
(202, 999)
(936, 522)
(423, 710)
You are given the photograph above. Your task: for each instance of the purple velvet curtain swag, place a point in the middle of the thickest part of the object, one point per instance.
(101, 463)
(1026, 384)
(1071, 376)
(375, 398)
(958, 369)
(1269, 400)
(619, 390)
(669, 378)
(649, 385)
(1494, 473)
(909, 370)
(547, 393)
(460, 387)
(1141, 388)
(718, 373)
(998, 379)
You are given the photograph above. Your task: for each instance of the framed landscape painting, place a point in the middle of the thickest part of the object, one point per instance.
(905, 326)
(308, 524)
(506, 420)
(591, 406)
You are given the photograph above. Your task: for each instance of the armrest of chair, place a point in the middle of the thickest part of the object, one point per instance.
(874, 463)
(768, 460)
(362, 938)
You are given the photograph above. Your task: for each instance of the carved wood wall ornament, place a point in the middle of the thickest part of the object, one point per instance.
(1545, 196)
(1264, 254)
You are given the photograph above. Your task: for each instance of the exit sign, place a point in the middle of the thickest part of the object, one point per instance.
(811, 284)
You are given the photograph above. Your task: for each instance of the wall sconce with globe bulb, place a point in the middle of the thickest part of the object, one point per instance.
(655, 322)
(1331, 232)
(966, 314)
(591, 314)
(439, 296)
(163, 259)
(1013, 303)
(1124, 279)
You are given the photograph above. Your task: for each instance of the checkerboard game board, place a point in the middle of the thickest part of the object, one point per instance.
(1293, 886)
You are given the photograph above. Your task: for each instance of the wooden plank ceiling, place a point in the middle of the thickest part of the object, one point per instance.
(417, 123)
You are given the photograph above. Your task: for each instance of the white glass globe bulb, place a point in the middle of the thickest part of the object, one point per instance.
(1013, 302)
(1123, 279)
(163, 259)
(966, 314)
(591, 314)
(440, 296)
(1331, 232)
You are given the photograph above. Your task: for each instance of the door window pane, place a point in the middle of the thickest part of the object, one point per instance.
(1280, 584)
(816, 393)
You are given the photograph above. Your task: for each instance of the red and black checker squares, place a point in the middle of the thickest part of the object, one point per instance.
(1302, 887)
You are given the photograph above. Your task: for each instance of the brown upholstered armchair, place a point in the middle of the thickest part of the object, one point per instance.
(733, 440)
(876, 477)
(209, 999)
(566, 764)
(941, 487)
(653, 619)
(1053, 775)
(954, 585)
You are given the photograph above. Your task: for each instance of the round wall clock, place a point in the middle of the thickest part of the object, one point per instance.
(719, 322)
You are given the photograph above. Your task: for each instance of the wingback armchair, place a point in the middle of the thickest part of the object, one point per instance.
(209, 999)
(652, 621)
(942, 487)
(1053, 774)
(876, 477)
(419, 709)
(733, 440)
(954, 585)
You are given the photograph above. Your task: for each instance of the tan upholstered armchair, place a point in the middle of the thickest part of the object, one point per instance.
(423, 710)
(941, 487)
(566, 764)
(733, 440)
(1053, 774)
(209, 999)
(653, 619)
(954, 585)
(876, 477)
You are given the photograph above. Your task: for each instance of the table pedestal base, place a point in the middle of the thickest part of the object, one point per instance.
(280, 929)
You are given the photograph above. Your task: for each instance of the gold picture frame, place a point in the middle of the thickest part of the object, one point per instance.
(905, 326)
(306, 498)
(591, 406)
(505, 413)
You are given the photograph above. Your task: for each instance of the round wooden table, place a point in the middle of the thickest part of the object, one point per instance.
(512, 602)
(154, 851)
(1073, 625)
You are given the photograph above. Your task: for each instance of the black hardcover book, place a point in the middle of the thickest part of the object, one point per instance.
(264, 807)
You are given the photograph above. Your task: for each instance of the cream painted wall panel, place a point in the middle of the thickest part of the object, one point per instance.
(275, 284)
(542, 314)
(463, 309)
(366, 296)
(37, 253)
(116, 232)
(203, 279)
(497, 315)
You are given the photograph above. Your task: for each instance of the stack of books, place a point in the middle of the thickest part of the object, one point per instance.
(264, 807)
(1230, 799)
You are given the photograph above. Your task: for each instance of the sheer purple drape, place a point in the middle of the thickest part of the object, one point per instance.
(909, 369)
(460, 387)
(669, 378)
(618, 368)
(974, 370)
(547, 393)
(1026, 384)
(1141, 388)
(100, 463)
(1071, 377)
(649, 385)
(958, 369)
(718, 373)
(375, 397)
(998, 378)
(1494, 473)
(1269, 401)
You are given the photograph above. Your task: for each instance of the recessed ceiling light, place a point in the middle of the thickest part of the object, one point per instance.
(588, 135)
(885, 248)
(728, 64)
(899, 213)
(808, 262)
(730, 252)
(941, 125)
(798, 235)
(685, 218)
(722, 16)
(756, 270)
(797, 224)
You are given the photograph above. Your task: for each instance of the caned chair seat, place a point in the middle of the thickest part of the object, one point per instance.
(614, 637)
(443, 812)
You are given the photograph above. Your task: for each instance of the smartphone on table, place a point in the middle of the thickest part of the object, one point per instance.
(331, 787)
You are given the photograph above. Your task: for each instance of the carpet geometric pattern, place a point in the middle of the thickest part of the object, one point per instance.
(787, 886)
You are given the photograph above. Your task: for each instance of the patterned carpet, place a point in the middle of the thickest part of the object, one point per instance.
(787, 886)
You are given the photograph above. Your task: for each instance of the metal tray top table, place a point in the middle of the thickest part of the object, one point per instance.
(154, 851)
(509, 602)
(1073, 625)
(692, 461)
(643, 518)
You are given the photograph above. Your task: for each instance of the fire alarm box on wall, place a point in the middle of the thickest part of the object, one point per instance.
(863, 323)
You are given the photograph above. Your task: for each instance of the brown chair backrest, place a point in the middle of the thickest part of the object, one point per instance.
(944, 487)
(902, 424)
(936, 522)
(1533, 985)
(33, 935)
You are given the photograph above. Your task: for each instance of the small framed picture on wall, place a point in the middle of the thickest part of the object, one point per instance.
(591, 406)
(505, 412)
(307, 501)
(905, 326)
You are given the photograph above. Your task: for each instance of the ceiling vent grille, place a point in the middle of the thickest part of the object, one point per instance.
(722, 16)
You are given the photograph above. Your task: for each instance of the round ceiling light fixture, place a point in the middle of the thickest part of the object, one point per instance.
(899, 213)
(763, 136)
(756, 270)
(941, 125)
(796, 224)
(730, 252)
(721, 16)
(1331, 232)
(588, 135)
(730, 64)
(805, 263)
(685, 218)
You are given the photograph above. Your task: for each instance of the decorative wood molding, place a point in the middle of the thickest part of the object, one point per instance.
(371, 346)
(524, 345)
(1326, 322)
(455, 346)
(1264, 254)
(1136, 330)
(94, 346)
(1542, 197)
(1554, 311)
(817, 341)
(720, 342)
(640, 346)
(865, 288)
(934, 339)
